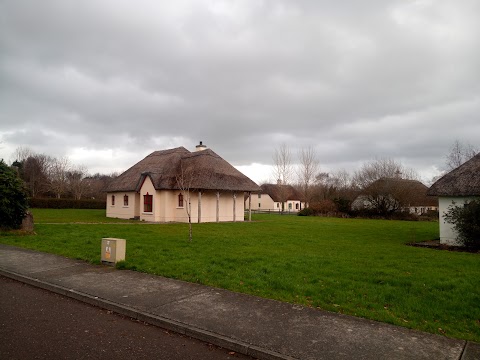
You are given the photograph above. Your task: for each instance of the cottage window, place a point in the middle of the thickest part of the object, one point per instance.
(147, 202)
(113, 200)
(259, 205)
(296, 206)
(125, 200)
(180, 200)
(278, 205)
(290, 206)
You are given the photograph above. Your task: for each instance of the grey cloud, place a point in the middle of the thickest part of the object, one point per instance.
(355, 79)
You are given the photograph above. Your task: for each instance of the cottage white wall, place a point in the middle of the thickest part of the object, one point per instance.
(448, 235)
(264, 202)
(225, 206)
(168, 203)
(239, 206)
(209, 207)
(419, 210)
(293, 206)
(137, 204)
(267, 203)
(119, 210)
(166, 207)
(180, 213)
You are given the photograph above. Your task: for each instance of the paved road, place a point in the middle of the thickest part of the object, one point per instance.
(37, 324)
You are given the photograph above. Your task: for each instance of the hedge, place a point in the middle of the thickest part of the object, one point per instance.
(52, 203)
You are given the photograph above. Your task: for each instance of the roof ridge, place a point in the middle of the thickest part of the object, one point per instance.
(168, 151)
(202, 152)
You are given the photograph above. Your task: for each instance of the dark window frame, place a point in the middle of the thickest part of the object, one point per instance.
(147, 203)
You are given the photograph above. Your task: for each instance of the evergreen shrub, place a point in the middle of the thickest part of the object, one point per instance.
(466, 222)
(13, 198)
(53, 203)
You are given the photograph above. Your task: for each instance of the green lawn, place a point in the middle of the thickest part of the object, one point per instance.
(45, 216)
(353, 266)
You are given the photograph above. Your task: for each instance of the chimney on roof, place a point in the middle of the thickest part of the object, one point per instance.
(200, 147)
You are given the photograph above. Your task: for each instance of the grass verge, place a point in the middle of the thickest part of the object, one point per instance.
(352, 266)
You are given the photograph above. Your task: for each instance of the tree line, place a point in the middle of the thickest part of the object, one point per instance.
(57, 177)
(385, 184)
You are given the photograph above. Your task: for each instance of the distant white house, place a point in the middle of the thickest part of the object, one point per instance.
(456, 188)
(277, 198)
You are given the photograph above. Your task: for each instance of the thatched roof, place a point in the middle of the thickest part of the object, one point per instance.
(410, 192)
(280, 193)
(205, 169)
(462, 181)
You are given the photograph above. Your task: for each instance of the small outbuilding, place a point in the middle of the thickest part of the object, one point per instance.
(456, 188)
(161, 186)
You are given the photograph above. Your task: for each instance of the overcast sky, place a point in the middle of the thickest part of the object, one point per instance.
(107, 82)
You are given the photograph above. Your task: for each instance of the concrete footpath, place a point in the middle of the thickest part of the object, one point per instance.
(265, 329)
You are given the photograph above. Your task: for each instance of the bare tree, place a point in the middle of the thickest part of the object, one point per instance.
(185, 180)
(21, 154)
(332, 186)
(282, 164)
(309, 166)
(381, 168)
(342, 180)
(322, 186)
(76, 181)
(283, 170)
(382, 183)
(58, 176)
(459, 153)
(35, 173)
(96, 184)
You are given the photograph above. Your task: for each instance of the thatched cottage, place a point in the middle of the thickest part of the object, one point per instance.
(160, 187)
(392, 194)
(276, 197)
(457, 188)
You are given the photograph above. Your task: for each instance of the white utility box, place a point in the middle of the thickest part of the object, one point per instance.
(113, 250)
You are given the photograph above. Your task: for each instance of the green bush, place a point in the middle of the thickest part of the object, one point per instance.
(403, 215)
(343, 205)
(52, 203)
(466, 222)
(13, 198)
(306, 212)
